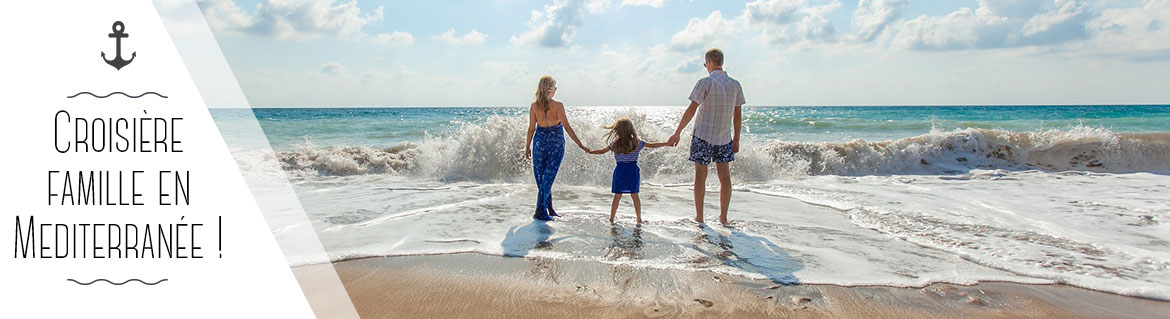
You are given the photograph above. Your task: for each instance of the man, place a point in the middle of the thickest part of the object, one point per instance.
(717, 98)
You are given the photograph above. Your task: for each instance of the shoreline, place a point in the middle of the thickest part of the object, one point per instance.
(486, 286)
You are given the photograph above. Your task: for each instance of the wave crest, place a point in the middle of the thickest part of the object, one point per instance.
(350, 160)
(492, 150)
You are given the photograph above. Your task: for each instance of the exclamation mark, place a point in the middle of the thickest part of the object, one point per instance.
(220, 236)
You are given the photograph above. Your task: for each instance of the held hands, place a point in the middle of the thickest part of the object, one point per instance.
(673, 140)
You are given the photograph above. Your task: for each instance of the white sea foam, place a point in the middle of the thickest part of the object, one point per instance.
(1106, 232)
(1083, 206)
(493, 151)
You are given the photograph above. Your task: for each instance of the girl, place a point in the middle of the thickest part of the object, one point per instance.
(624, 143)
(547, 124)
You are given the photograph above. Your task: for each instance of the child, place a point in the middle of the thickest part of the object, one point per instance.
(624, 143)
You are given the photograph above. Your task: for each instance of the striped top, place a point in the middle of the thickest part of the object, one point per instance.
(631, 157)
(718, 96)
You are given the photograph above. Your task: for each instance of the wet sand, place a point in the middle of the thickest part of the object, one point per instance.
(481, 286)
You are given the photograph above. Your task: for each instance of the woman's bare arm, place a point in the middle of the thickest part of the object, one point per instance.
(531, 131)
(568, 127)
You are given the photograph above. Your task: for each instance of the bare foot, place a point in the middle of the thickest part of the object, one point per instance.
(698, 220)
(639, 221)
(611, 220)
(723, 220)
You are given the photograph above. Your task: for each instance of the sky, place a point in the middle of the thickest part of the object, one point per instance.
(326, 53)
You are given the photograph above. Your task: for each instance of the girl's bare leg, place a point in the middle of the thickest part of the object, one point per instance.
(637, 207)
(613, 208)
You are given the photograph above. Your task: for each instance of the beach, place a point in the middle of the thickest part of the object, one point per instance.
(482, 286)
(1050, 211)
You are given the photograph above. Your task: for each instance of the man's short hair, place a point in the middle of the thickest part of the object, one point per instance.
(715, 56)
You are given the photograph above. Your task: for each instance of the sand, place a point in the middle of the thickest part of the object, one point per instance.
(481, 286)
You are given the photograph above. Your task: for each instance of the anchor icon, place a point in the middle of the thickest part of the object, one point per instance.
(118, 34)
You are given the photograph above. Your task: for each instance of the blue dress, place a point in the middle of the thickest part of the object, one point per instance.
(627, 176)
(546, 161)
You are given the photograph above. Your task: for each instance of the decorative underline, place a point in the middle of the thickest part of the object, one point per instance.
(112, 93)
(116, 283)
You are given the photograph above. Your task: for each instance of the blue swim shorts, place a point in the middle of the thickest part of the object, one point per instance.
(704, 153)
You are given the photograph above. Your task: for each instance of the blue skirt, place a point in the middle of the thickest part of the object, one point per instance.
(626, 178)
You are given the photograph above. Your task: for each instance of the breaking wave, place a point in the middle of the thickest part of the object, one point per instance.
(493, 151)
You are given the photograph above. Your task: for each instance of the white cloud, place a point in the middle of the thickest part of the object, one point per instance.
(787, 21)
(873, 16)
(395, 39)
(297, 19)
(599, 6)
(699, 33)
(225, 15)
(690, 65)
(1020, 9)
(472, 37)
(1066, 21)
(1139, 33)
(648, 3)
(333, 68)
(774, 11)
(998, 24)
(962, 29)
(555, 26)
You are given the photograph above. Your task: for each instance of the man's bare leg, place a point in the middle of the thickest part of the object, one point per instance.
(700, 190)
(724, 171)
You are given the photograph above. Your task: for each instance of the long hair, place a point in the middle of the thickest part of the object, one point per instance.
(621, 137)
(544, 92)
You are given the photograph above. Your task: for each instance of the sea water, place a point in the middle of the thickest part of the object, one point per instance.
(900, 196)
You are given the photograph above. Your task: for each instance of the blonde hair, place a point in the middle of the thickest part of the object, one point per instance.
(544, 91)
(622, 137)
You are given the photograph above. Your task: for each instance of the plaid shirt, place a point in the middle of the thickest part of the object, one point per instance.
(718, 96)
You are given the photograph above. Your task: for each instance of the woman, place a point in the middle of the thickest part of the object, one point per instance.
(546, 117)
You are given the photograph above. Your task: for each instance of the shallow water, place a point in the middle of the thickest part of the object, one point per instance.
(884, 196)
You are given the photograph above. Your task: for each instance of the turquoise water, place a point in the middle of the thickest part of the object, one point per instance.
(287, 128)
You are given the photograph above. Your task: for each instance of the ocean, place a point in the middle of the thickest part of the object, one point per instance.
(897, 196)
